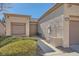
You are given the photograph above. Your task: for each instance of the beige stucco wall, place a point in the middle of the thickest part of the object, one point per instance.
(59, 11)
(54, 14)
(19, 19)
(66, 33)
(63, 15)
(2, 29)
(55, 21)
(72, 9)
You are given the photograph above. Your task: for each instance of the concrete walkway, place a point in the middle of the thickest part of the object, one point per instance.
(75, 47)
(49, 50)
(46, 48)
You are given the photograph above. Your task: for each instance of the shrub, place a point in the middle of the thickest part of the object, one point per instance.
(20, 47)
(8, 39)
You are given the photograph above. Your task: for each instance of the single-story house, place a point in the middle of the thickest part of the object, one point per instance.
(60, 25)
(19, 25)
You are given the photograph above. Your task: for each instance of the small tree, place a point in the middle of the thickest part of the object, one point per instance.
(5, 6)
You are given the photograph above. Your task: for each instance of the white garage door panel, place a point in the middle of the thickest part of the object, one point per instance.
(74, 32)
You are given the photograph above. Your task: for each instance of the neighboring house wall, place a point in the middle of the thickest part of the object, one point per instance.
(2, 29)
(12, 18)
(20, 25)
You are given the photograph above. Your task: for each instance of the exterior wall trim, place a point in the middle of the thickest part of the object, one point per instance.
(7, 14)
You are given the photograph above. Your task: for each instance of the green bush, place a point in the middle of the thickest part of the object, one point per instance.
(19, 47)
(4, 40)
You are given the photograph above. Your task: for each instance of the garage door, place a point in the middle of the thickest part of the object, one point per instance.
(74, 32)
(18, 29)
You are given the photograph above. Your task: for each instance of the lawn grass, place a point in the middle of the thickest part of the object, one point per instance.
(18, 46)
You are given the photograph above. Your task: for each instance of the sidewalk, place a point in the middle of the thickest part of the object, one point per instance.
(48, 50)
(45, 48)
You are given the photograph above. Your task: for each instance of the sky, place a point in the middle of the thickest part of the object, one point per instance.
(36, 10)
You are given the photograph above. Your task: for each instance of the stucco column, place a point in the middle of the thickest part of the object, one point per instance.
(8, 28)
(27, 27)
(66, 33)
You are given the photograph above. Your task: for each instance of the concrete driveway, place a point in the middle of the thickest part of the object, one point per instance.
(75, 47)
